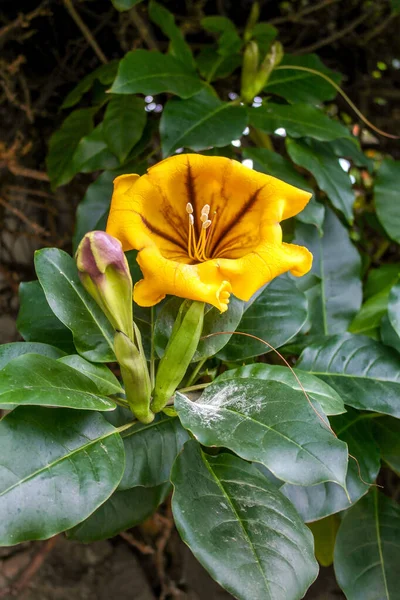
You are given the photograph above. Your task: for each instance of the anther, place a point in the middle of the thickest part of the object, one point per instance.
(189, 208)
(204, 217)
(206, 224)
(191, 219)
(205, 210)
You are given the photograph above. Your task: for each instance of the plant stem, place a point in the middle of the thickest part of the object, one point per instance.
(86, 31)
(152, 353)
(192, 378)
(193, 388)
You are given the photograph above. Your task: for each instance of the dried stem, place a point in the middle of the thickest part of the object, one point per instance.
(86, 31)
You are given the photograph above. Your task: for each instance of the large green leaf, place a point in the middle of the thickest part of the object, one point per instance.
(387, 435)
(179, 48)
(385, 276)
(299, 120)
(302, 86)
(318, 501)
(275, 315)
(367, 551)
(213, 66)
(105, 74)
(36, 322)
(318, 159)
(388, 334)
(145, 72)
(92, 154)
(387, 197)
(329, 400)
(214, 322)
(104, 379)
(200, 122)
(394, 308)
(123, 510)
(240, 527)
(349, 148)
(338, 287)
(229, 41)
(270, 423)
(368, 320)
(365, 373)
(58, 276)
(13, 350)
(64, 143)
(57, 467)
(151, 450)
(123, 124)
(44, 381)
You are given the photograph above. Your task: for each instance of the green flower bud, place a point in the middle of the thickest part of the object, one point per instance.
(179, 352)
(104, 273)
(251, 22)
(135, 374)
(249, 72)
(272, 60)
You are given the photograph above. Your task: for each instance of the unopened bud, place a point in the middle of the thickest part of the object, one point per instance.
(104, 273)
(249, 72)
(135, 375)
(251, 22)
(272, 60)
(179, 352)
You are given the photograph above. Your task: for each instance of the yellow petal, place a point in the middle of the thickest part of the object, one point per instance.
(196, 282)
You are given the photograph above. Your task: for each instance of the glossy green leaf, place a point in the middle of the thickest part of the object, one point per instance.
(123, 510)
(36, 322)
(214, 322)
(200, 122)
(325, 167)
(213, 66)
(394, 308)
(240, 528)
(229, 41)
(63, 144)
(165, 20)
(329, 400)
(338, 287)
(92, 154)
(324, 532)
(123, 124)
(385, 276)
(276, 315)
(104, 379)
(387, 197)
(302, 86)
(299, 120)
(105, 74)
(365, 373)
(350, 149)
(58, 276)
(388, 334)
(57, 467)
(368, 320)
(266, 422)
(146, 72)
(367, 551)
(151, 450)
(318, 501)
(272, 163)
(44, 381)
(387, 435)
(13, 350)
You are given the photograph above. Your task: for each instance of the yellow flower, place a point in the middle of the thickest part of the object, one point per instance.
(206, 227)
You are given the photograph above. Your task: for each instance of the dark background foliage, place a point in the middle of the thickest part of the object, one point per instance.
(44, 54)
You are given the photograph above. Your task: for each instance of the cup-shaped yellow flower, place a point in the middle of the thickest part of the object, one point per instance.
(206, 227)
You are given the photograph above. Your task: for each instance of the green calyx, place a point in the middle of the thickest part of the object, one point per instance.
(179, 352)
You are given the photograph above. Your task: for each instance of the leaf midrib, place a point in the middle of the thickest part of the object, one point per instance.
(54, 390)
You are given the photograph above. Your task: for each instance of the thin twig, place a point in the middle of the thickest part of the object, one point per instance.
(379, 28)
(335, 36)
(23, 20)
(303, 13)
(36, 228)
(132, 541)
(143, 29)
(86, 31)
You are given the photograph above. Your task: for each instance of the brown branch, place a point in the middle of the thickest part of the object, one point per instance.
(36, 228)
(143, 29)
(379, 28)
(335, 36)
(23, 20)
(303, 13)
(17, 169)
(86, 31)
(132, 541)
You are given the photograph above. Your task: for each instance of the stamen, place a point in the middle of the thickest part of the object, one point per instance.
(197, 249)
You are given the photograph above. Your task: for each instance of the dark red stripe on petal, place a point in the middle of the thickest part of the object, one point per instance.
(162, 234)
